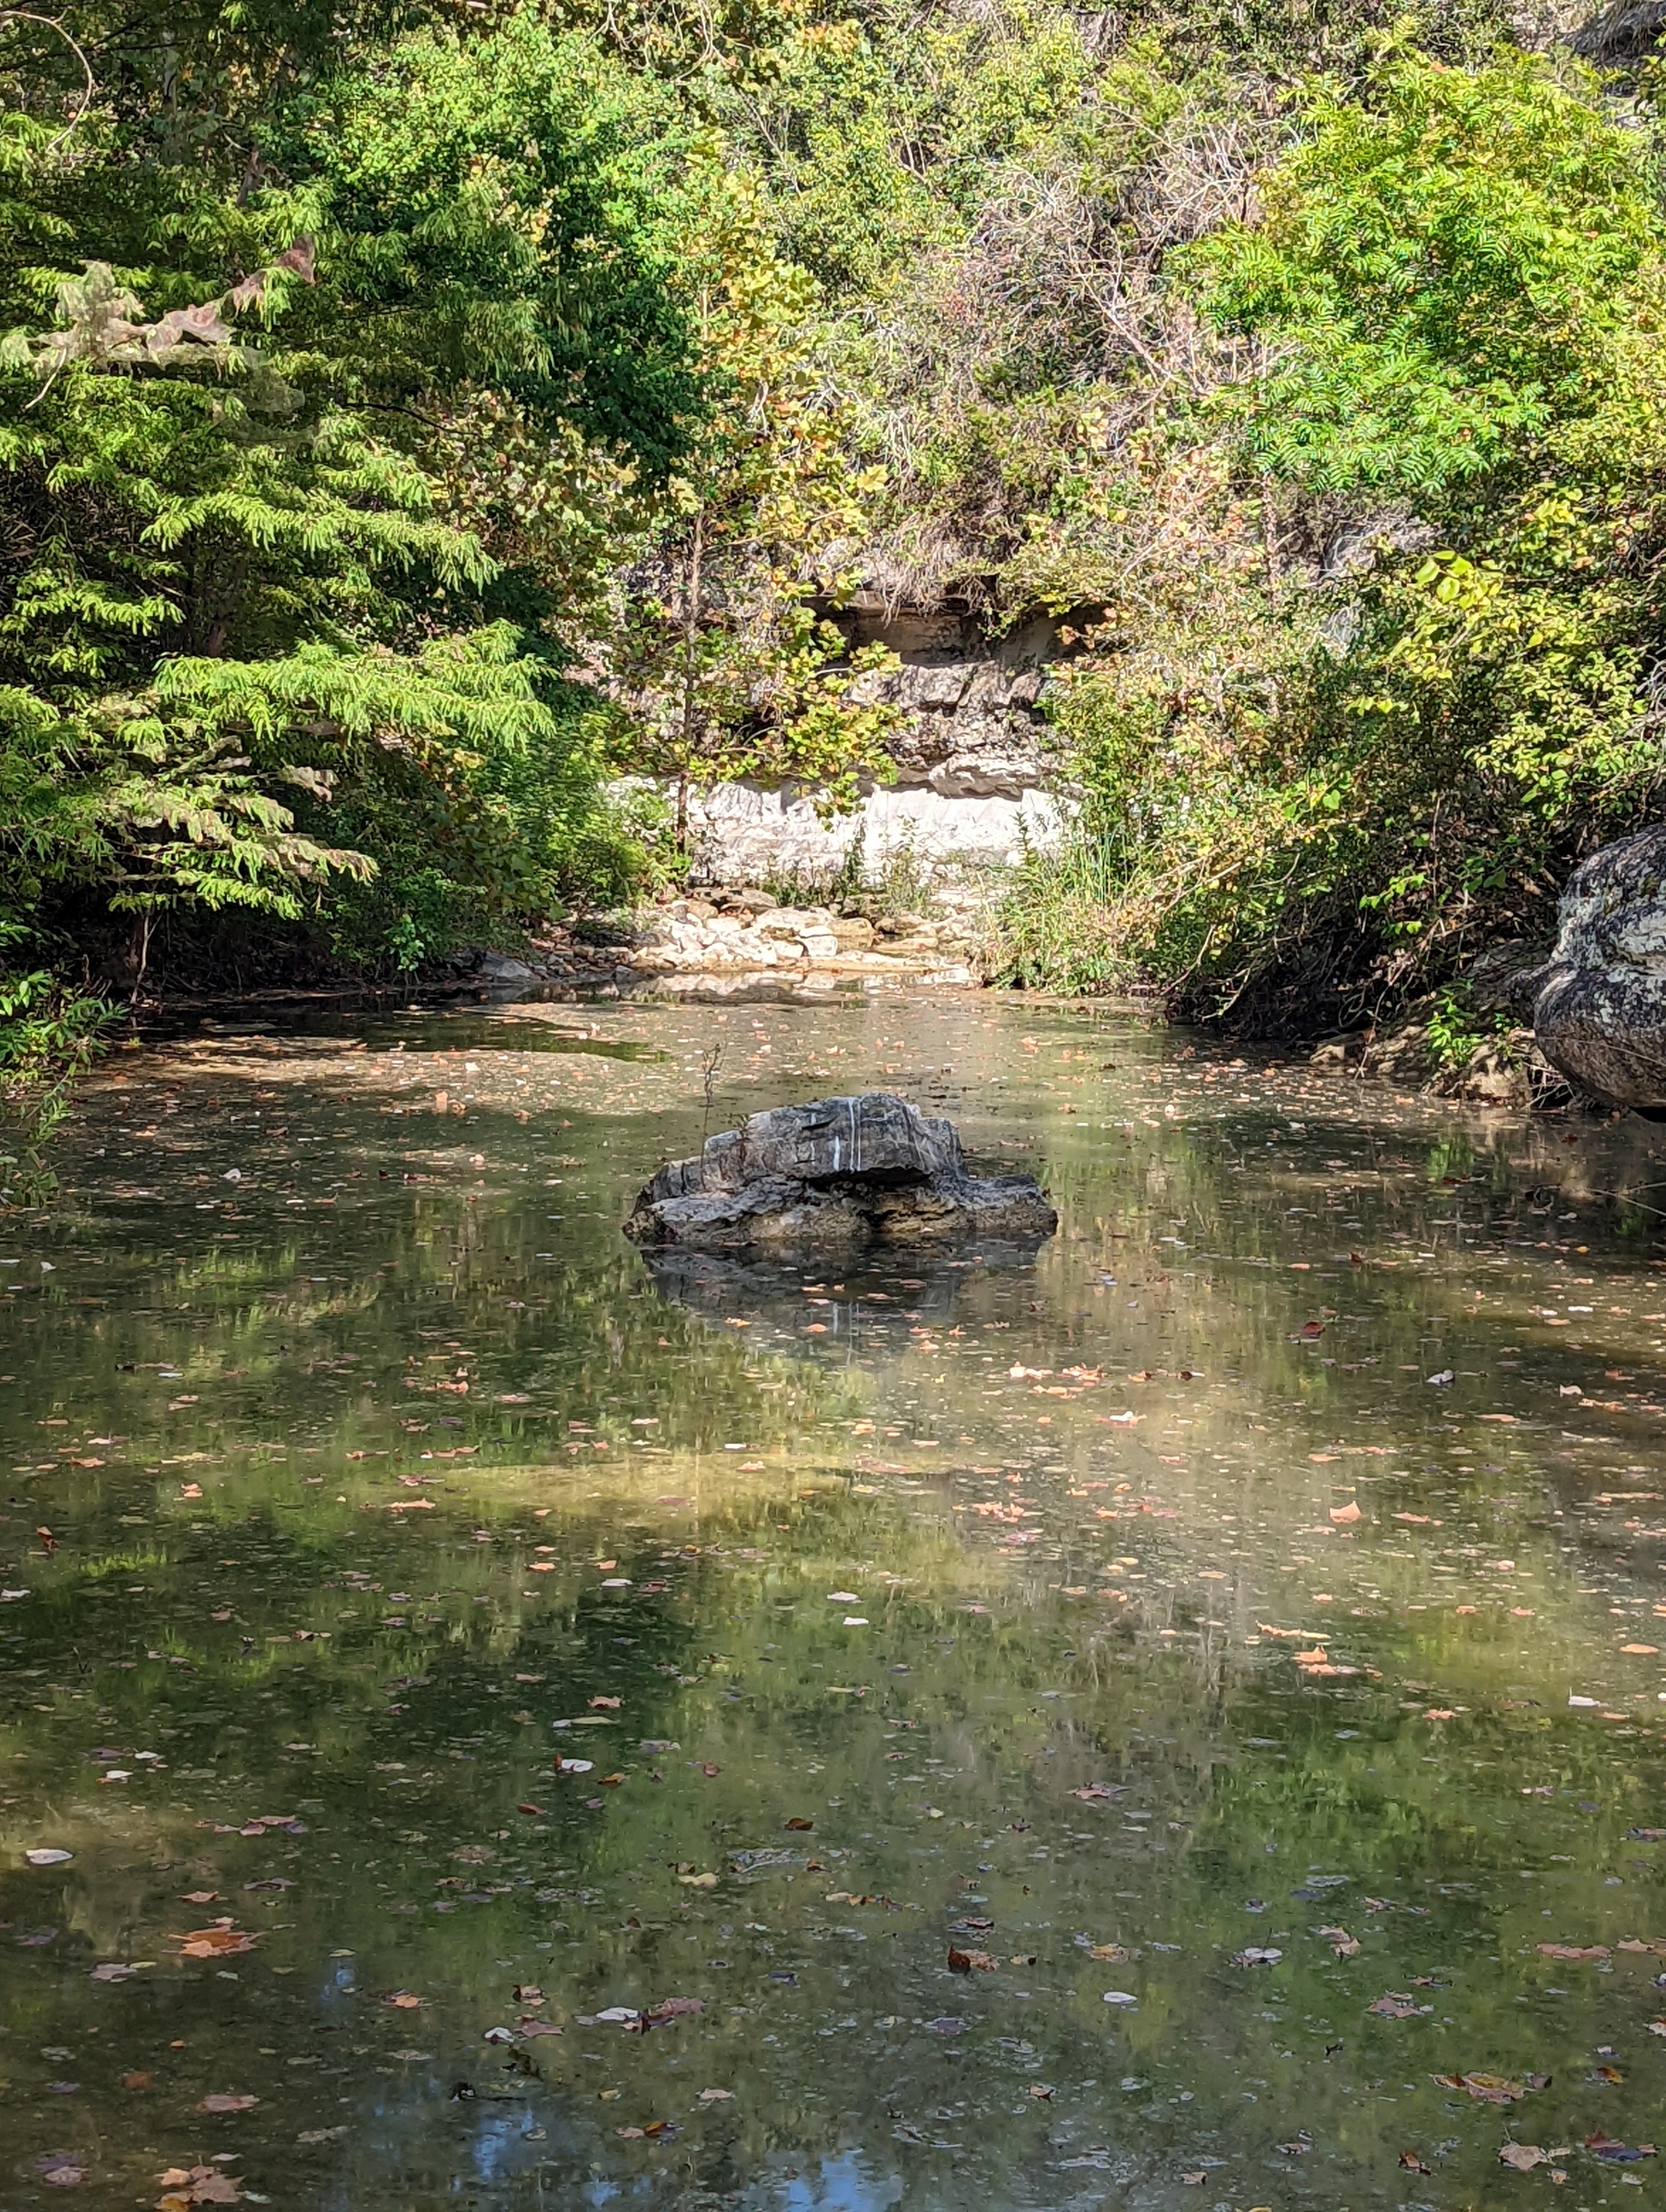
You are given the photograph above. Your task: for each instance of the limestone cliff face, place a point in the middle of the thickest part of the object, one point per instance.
(972, 762)
(974, 730)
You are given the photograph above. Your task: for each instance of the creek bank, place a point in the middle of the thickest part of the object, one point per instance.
(1580, 1023)
(749, 932)
(1472, 1042)
(729, 940)
(725, 944)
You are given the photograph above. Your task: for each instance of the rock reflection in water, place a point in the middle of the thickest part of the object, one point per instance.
(802, 1300)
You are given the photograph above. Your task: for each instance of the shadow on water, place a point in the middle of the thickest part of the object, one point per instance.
(431, 1029)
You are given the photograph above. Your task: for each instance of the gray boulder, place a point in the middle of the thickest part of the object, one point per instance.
(845, 1172)
(504, 968)
(1599, 1004)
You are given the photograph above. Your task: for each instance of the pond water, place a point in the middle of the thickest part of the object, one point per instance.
(1175, 1722)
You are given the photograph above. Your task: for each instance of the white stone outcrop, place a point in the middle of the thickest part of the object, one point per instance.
(984, 818)
(687, 937)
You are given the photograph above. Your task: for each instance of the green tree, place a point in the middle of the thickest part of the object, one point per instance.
(1428, 580)
(723, 650)
(252, 351)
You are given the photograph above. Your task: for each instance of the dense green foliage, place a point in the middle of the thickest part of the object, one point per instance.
(1356, 770)
(1303, 366)
(261, 629)
(411, 416)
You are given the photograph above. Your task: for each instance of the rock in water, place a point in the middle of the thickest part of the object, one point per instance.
(846, 1171)
(1599, 1005)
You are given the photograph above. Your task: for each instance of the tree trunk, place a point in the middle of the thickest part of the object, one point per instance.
(691, 598)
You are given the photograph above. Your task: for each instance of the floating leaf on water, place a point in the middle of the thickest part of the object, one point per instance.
(184, 2187)
(1492, 2088)
(1613, 2152)
(224, 1940)
(1394, 2004)
(1522, 2157)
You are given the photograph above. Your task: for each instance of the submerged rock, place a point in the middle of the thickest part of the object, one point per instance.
(1599, 1004)
(847, 1171)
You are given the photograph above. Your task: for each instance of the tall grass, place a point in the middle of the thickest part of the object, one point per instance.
(1054, 928)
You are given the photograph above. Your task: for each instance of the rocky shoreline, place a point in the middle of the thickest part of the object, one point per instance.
(729, 939)
(1474, 1042)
